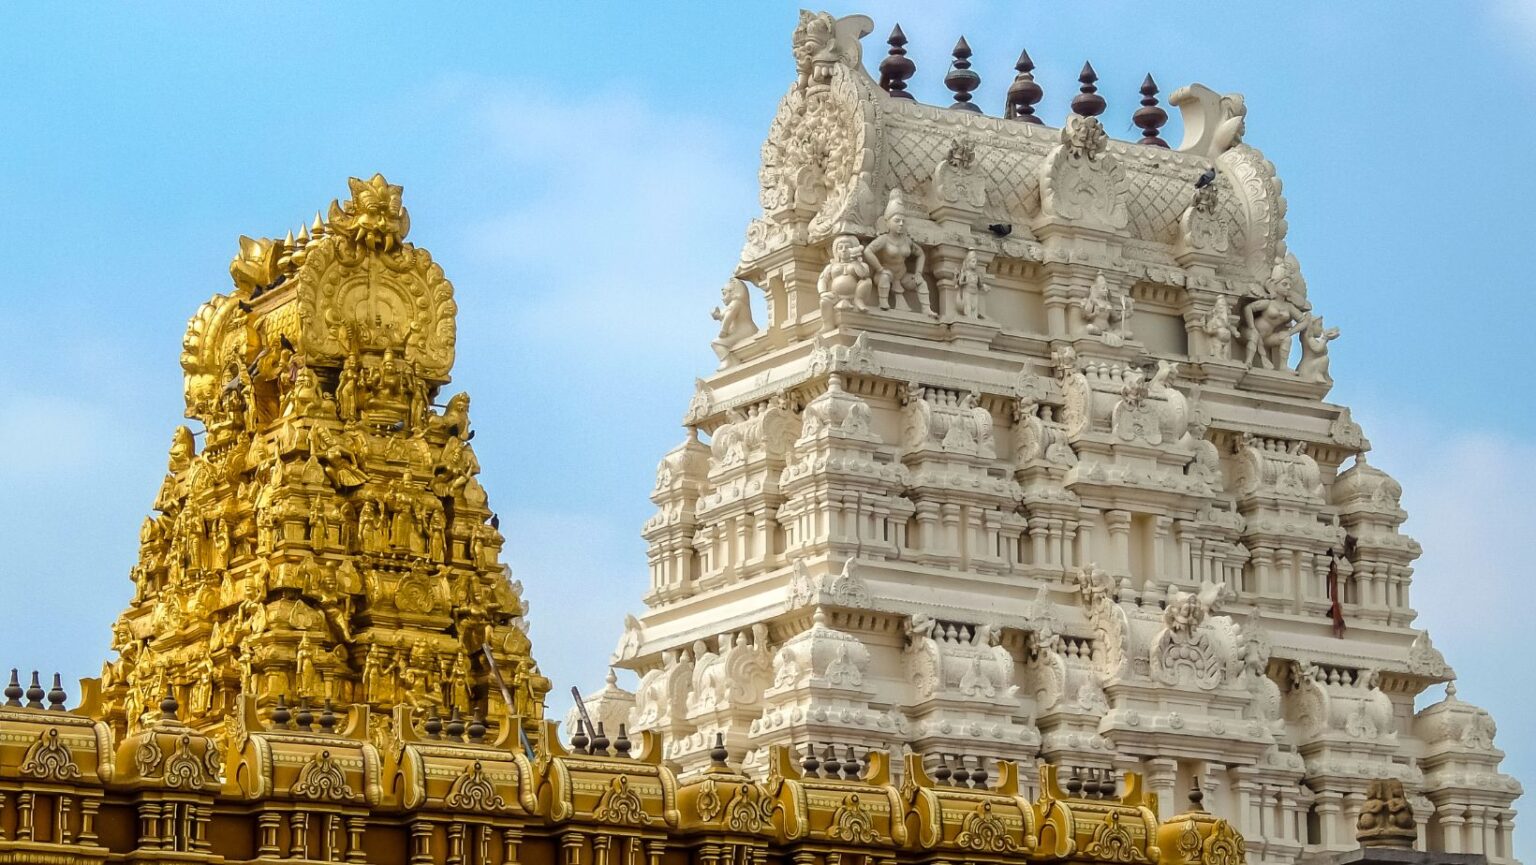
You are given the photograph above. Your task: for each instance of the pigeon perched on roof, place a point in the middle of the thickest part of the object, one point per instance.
(1207, 178)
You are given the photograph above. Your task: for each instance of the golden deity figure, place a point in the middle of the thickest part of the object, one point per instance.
(306, 551)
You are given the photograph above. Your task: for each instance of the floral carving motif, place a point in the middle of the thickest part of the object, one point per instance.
(322, 778)
(750, 810)
(1112, 842)
(49, 759)
(851, 822)
(621, 804)
(473, 791)
(710, 804)
(147, 757)
(985, 831)
(184, 770)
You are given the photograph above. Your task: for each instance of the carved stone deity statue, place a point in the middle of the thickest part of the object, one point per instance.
(1218, 327)
(1313, 365)
(1106, 311)
(735, 317)
(898, 262)
(845, 282)
(972, 283)
(1386, 818)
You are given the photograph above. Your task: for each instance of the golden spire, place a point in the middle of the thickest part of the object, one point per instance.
(330, 540)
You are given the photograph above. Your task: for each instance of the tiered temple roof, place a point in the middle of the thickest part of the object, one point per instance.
(1032, 459)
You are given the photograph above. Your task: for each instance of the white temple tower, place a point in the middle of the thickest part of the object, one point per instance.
(1020, 466)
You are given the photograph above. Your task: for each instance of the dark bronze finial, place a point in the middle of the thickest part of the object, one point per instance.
(280, 714)
(455, 726)
(434, 726)
(979, 776)
(600, 741)
(621, 745)
(961, 78)
(327, 717)
(580, 741)
(829, 765)
(56, 696)
(897, 67)
(851, 768)
(941, 773)
(35, 693)
(304, 717)
(1150, 117)
(13, 691)
(1023, 93)
(1196, 796)
(477, 726)
(168, 706)
(810, 765)
(1074, 784)
(962, 773)
(718, 753)
(1088, 102)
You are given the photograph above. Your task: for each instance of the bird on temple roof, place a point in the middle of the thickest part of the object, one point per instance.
(1207, 178)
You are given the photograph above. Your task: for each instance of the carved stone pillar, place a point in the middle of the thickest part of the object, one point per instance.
(1162, 778)
(1119, 524)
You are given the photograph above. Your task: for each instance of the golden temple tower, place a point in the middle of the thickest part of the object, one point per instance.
(329, 541)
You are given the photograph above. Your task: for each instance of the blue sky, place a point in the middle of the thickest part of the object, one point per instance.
(585, 180)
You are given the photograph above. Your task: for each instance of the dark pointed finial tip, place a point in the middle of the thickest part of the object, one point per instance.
(1088, 74)
(1025, 64)
(897, 37)
(962, 48)
(1148, 84)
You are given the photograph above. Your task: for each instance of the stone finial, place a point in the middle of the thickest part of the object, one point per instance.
(941, 772)
(1088, 102)
(35, 693)
(280, 713)
(829, 762)
(1150, 117)
(810, 765)
(897, 67)
(13, 691)
(1386, 818)
(962, 773)
(56, 696)
(961, 78)
(1023, 93)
